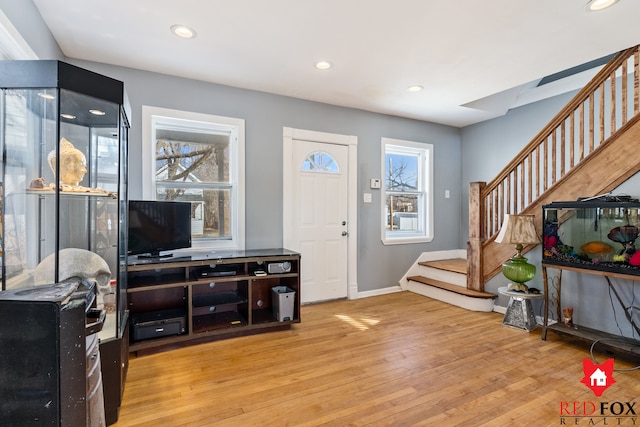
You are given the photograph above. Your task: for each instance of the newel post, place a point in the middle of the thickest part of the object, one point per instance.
(475, 279)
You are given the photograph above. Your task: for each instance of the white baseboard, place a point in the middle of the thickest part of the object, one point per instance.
(376, 292)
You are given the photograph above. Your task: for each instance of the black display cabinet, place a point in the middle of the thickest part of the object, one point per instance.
(63, 135)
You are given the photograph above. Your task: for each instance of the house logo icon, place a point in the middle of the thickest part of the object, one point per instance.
(597, 377)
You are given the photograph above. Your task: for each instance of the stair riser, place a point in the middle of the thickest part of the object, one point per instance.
(468, 303)
(443, 275)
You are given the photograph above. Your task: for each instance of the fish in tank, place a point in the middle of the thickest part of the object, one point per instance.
(595, 234)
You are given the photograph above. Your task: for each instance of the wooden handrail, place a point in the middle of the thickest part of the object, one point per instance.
(578, 131)
(535, 168)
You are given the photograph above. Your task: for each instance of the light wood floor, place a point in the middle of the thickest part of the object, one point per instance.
(395, 360)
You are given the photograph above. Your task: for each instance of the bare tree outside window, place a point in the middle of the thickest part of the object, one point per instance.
(198, 158)
(402, 192)
(201, 172)
(401, 179)
(407, 202)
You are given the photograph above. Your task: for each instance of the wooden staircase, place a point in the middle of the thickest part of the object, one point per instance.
(601, 173)
(589, 148)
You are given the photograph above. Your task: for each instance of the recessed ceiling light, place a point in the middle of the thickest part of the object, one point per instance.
(415, 88)
(595, 5)
(97, 112)
(67, 116)
(183, 31)
(323, 65)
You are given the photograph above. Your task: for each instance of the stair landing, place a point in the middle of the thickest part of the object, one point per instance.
(457, 265)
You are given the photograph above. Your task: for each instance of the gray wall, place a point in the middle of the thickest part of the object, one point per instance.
(25, 17)
(265, 116)
(475, 153)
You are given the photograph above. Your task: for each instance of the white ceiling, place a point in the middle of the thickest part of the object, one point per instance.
(475, 59)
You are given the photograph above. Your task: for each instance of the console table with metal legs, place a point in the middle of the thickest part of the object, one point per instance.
(608, 341)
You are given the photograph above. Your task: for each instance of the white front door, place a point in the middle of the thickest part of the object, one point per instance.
(318, 217)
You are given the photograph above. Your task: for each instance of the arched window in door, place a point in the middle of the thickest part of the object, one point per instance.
(320, 161)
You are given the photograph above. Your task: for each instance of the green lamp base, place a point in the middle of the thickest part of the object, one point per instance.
(519, 271)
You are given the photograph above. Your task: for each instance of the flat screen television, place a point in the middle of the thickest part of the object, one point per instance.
(157, 226)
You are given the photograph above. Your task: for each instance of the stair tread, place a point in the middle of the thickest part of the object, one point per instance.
(456, 265)
(452, 288)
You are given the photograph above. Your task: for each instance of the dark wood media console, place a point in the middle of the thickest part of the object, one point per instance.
(174, 302)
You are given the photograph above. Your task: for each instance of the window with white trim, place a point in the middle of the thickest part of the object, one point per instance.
(407, 201)
(198, 158)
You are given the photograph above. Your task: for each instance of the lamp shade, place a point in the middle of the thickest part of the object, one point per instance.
(518, 229)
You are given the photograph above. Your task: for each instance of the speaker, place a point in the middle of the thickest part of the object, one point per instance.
(279, 267)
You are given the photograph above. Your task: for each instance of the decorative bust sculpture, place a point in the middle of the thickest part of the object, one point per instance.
(73, 164)
(73, 168)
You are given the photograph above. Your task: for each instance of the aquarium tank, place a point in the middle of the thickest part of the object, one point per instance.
(598, 234)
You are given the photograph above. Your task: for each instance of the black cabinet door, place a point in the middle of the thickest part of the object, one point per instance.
(42, 364)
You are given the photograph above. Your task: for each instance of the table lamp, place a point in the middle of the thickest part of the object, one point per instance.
(519, 230)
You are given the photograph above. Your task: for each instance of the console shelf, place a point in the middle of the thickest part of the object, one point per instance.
(608, 342)
(220, 298)
(598, 238)
(220, 295)
(218, 321)
(614, 344)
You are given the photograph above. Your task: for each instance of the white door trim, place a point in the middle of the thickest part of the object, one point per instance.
(289, 136)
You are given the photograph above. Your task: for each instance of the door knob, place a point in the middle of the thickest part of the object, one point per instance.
(345, 233)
